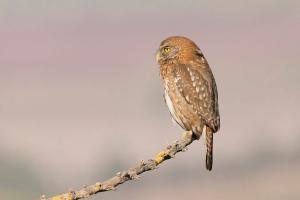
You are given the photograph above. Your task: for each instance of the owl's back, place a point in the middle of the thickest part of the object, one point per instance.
(191, 95)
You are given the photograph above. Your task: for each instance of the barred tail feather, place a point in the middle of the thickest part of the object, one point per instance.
(209, 148)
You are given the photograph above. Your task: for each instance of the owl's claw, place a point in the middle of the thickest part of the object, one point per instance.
(187, 135)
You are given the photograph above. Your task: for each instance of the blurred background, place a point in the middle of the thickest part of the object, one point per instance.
(81, 98)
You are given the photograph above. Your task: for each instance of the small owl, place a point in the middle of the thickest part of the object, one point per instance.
(190, 90)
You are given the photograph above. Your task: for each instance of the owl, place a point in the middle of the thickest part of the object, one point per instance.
(190, 90)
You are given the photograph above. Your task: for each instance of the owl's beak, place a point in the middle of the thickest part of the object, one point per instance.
(158, 55)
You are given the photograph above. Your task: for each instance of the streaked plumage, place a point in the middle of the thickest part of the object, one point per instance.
(190, 89)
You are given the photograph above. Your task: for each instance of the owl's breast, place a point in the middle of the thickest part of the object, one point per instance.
(171, 107)
(180, 101)
(181, 111)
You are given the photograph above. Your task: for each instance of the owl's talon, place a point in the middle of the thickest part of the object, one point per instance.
(190, 90)
(187, 135)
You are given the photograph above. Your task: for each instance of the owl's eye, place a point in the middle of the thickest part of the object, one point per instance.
(167, 49)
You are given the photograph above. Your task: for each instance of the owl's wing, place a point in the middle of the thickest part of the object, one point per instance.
(198, 87)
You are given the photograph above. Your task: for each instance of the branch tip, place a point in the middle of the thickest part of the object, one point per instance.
(131, 174)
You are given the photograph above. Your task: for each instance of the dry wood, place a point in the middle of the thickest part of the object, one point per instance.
(133, 173)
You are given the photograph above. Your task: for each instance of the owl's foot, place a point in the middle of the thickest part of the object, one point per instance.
(196, 136)
(187, 135)
(177, 146)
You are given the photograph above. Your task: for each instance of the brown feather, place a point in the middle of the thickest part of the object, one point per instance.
(209, 149)
(191, 89)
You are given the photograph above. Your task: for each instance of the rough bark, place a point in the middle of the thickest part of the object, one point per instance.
(133, 173)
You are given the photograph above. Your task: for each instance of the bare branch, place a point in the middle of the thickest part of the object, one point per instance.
(133, 173)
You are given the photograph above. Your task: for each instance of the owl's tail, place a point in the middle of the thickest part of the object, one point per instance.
(209, 148)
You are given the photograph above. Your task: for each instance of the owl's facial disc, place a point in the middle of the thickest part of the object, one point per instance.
(166, 53)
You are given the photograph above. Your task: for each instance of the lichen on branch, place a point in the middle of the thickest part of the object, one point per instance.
(131, 174)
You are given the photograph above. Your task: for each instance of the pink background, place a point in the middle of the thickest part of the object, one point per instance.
(81, 98)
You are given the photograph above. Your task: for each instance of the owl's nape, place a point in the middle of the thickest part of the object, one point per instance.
(190, 90)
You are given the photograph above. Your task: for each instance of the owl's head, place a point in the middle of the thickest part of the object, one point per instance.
(176, 49)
